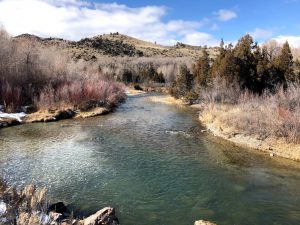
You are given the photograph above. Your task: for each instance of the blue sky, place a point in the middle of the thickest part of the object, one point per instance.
(166, 22)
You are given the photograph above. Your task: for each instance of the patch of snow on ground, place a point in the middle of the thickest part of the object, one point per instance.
(17, 116)
(2, 208)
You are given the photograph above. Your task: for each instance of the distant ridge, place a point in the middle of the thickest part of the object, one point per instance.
(116, 44)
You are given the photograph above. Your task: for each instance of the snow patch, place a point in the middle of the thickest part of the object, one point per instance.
(2, 208)
(17, 116)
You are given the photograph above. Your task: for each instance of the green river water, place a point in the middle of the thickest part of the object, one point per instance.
(153, 165)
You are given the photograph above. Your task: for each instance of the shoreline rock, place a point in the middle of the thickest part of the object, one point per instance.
(104, 216)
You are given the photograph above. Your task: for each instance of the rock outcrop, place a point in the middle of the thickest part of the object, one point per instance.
(105, 216)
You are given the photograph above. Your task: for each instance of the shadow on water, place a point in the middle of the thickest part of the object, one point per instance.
(152, 163)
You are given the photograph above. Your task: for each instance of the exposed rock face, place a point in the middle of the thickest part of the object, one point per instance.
(202, 222)
(105, 216)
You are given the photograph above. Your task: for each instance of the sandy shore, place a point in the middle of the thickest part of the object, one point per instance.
(167, 99)
(133, 92)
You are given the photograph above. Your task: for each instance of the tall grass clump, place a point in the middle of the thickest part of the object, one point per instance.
(23, 207)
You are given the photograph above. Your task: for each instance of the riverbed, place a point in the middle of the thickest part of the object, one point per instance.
(152, 162)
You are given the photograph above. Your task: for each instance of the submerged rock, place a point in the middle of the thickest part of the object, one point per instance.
(104, 216)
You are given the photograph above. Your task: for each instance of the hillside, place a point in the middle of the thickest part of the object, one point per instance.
(116, 44)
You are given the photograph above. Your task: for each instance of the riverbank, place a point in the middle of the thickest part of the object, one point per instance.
(52, 115)
(214, 125)
(215, 122)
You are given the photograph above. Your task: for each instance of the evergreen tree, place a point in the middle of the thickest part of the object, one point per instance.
(284, 63)
(201, 69)
(246, 62)
(228, 70)
(184, 82)
(217, 61)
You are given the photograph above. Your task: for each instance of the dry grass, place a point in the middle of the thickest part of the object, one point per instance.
(23, 207)
(167, 100)
(275, 116)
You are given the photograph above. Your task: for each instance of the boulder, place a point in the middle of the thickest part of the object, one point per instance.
(105, 216)
(202, 222)
(58, 207)
(64, 114)
(55, 217)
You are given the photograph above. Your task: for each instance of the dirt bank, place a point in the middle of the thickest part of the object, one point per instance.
(274, 147)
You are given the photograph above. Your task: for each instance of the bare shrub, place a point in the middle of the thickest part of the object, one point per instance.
(47, 76)
(82, 94)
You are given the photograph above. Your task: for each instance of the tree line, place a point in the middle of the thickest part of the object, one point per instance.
(245, 65)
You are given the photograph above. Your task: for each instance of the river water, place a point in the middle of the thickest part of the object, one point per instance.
(150, 161)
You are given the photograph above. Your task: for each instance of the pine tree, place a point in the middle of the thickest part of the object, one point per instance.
(217, 61)
(245, 60)
(184, 82)
(228, 70)
(284, 63)
(201, 69)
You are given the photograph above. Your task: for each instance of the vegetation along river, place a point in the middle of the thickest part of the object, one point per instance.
(151, 162)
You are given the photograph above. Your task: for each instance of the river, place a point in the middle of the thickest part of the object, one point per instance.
(151, 162)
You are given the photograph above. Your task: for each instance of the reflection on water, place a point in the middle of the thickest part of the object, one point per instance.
(151, 162)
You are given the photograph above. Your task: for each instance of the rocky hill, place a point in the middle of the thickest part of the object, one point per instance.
(116, 44)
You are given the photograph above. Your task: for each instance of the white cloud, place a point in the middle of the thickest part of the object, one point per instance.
(76, 19)
(225, 15)
(214, 27)
(199, 38)
(259, 33)
(294, 41)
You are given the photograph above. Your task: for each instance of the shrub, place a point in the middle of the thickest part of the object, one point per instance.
(269, 115)
(31, 73)
(82, 95)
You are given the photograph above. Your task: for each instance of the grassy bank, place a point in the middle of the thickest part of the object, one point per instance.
(267, 122)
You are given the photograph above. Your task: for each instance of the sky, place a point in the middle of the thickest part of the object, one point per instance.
(165, 22)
